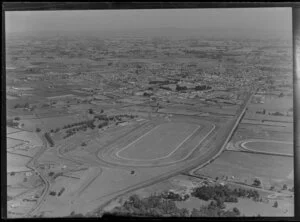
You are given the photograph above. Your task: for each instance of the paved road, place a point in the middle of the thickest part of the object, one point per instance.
(33, 165)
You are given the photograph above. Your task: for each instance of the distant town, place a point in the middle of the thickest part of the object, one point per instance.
(148, 126)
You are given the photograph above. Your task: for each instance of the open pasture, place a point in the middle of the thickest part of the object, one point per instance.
(10, 130)
(16, 163)
(11, 143)
(274, 103)
(25, 136)
(247, 166)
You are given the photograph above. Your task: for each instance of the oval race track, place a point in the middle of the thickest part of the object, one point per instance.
(176, 145)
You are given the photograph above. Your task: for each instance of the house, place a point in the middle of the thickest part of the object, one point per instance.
(28, 174)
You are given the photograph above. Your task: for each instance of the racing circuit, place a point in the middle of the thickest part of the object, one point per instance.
(262, 146)
(162, 144)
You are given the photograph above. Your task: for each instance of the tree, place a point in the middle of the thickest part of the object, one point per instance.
(256, 182)
(17, 106)
(275, 204)
(17, 118)
(284, 187)
(91, 111)
(83, 144)
(220, 203)
(195, 213)
(38, 130)
(52, 193)
(184, 212)
(236, 211)
(101, 111)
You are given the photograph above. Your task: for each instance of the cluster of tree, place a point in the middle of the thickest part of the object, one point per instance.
(180, 88)
(256, 182)
(54, 131)
(29, 200)
(223, 193)
(204, 87)
(213, 210)
(164, 82)
(166, 88)
(61, 191)
(52, 193)
(277, 114)
(116, 117)
(74, 215)
(101, 117)
(49, 139)
(105, 123)
(54, 176)
(147, 94)
(11, 123)
(174, 196)
(157, 206)
(153, 206)
(82, 126)
(86, 122)
(75, 129)
(26, 105)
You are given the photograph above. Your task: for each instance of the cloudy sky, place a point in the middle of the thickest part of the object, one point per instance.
(278, 19)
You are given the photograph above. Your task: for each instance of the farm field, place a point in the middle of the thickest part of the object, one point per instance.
(10, 130)
(13, 143)
(149, 146)
(16, 163)
(274, 103)
(250, 208)
(26, 136)
(272, 170)
(256, 131)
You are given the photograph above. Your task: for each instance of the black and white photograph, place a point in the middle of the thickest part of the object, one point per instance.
(184, 112)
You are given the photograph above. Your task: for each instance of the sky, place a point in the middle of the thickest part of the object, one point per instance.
(278, 19)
